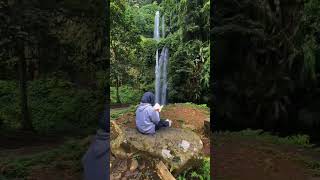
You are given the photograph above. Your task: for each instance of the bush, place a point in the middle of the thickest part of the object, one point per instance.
(55, 106)
(67, 156)
(128, 95)
(9, 106)
(202, 173)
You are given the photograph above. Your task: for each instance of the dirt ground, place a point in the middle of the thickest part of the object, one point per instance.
(237, 158)
(53, 174)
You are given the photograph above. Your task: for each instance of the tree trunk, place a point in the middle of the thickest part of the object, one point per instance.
(26, 121)
(117, 90)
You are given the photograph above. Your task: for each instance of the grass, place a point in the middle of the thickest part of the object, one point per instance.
(116, 113)
(68, 156)
(198, 106)
(296, 140)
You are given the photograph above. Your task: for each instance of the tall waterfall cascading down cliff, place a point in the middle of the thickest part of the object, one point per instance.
(161, 68)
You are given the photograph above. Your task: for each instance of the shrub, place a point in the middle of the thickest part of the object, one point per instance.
(55, 106)
(128, 95)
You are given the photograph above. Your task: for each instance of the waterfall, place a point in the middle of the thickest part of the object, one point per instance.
(156, 34)
(161, 64)
(164, 76)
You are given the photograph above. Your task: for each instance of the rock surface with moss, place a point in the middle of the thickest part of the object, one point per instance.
(179, 149)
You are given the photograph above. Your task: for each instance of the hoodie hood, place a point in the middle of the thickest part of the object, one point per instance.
(143, 106)
(148, 97)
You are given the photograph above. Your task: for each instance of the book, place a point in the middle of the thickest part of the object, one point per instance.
(157, 107)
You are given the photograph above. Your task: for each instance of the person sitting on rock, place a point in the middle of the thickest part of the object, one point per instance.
(95, 159)
(147, 117)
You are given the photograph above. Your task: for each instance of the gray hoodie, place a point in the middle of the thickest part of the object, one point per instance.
(146, 118)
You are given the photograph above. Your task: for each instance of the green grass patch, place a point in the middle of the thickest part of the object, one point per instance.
(116, 113)
(296, 140)
(203, 107)
(68, 156)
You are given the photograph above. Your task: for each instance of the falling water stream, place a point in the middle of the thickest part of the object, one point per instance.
(161, 86)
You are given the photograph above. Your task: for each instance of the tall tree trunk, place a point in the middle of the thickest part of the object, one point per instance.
(118, 95)
(26, 121)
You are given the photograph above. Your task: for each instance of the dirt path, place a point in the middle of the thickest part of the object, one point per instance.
(238, 158)
(26, 143)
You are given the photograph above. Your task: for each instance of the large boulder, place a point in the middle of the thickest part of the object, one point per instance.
(116, 139)
(179, 149)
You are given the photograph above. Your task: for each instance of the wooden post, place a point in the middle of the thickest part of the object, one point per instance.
(163, 172)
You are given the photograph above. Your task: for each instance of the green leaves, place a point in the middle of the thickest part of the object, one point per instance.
(133, 48)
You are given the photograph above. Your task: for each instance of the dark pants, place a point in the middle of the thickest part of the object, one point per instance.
(162, 123)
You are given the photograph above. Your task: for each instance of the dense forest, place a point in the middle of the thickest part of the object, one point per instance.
(53, 85)
(52, 64)
(271, 78)
(132, 49)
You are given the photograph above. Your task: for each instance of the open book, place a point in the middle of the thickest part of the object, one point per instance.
(158, 107)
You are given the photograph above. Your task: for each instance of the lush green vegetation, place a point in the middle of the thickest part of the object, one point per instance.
(52, 73)
(133, 49)
(67, 156)
(116, 113)
(202, 173)
(267, 67)
(296, 140)
(55, 106)
(53, 79)
(129, 95)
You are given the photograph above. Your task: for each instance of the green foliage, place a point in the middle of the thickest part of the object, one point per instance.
(189, 45)
(55, 105)
(201, 173)
(128, 95)
(66, 156)
(201, 106)
(9, 107)
(133, 49)
(311, 48)
(116, 113)
(296, 140)
(189, 72)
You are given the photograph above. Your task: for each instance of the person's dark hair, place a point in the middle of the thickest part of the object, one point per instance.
(148, 97)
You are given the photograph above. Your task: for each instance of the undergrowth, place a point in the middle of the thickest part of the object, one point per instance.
(201, 173)
(68, 156)
(297, 140)
(116, 113)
